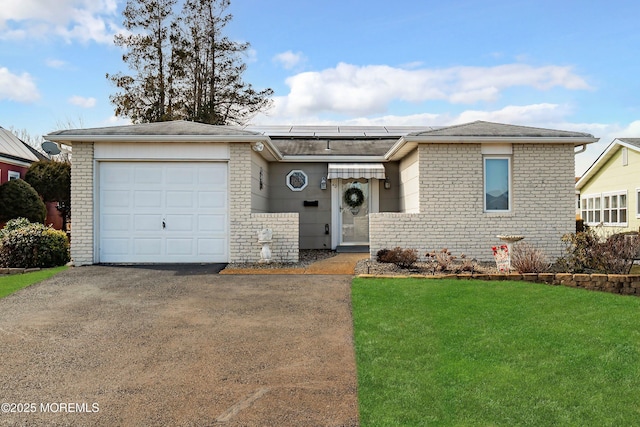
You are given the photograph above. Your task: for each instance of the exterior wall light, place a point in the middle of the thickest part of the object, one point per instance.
(387, 184)
(258, 146)
(323, 183)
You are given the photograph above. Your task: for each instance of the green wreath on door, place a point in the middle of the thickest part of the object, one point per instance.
(353, 197)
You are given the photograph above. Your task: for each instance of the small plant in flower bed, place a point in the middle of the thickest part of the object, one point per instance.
(26, 245)
(403, 258)
(525, 258)
(444, 261)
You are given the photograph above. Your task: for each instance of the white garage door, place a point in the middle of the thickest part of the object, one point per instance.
(161, 212)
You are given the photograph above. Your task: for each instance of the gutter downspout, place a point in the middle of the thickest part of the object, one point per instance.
(581, 150)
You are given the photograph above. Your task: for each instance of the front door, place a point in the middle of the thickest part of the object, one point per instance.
(355, 204)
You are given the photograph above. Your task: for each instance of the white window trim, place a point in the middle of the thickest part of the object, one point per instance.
(584, 200)
(618, 223)
(484, 183)
(13, 175)
(637, 202)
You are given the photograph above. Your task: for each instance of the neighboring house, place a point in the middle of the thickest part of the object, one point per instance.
(610, 188)
(15, 156)
(189, 192)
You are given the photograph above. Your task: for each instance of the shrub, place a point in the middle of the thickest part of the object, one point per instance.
(381, 255)
(588, 252)
(27, 245)
(441, 260)
(527, 259)
(403, 258)
(19, 199)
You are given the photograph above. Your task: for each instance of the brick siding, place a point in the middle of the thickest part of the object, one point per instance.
(82, 204)
(451, 202)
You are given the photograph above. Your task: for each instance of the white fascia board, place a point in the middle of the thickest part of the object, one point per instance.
(576, 141)
(602, 159)
(156, 138)
(15, 162)
(334, 159)
(70, 139)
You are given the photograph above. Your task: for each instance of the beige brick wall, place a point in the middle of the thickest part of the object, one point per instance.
(244, 225)
(451, 202)
(82, 204)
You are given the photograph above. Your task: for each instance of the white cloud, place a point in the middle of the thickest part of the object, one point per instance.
(364, 90)
(289, 60)
(55, 63)
(19, 88)
(82, 101)
(83, 20)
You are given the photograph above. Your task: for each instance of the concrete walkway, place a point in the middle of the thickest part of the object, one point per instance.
(343, 263)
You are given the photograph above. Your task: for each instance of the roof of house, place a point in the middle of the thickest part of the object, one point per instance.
(12, 147)
(177, 127)
(631, 142)
(329, 142)
(488, 129)
(612, 148)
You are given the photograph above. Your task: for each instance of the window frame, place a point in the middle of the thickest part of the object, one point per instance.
(637, 202)
(11, 175)
(615, 198)
(585, 208)
(508, 158)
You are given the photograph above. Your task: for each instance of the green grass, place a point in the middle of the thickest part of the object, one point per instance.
(475, 353)
(15, 282)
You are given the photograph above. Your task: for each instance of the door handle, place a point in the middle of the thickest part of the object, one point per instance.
(164, 224)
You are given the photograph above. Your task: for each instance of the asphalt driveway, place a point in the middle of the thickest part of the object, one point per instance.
(178, 346)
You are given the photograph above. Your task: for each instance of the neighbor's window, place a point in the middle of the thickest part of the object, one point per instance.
(637, 202)
(13, 175)
(590, 209)
(497, 184)
(614, 208)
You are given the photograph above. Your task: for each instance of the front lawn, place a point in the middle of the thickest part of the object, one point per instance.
(457, 352)
(12, 283)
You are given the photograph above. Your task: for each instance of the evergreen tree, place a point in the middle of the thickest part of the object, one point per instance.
(183, 66)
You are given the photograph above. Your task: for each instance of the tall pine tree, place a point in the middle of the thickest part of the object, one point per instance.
(182, 66)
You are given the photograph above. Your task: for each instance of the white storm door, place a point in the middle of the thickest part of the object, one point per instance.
(163, 212)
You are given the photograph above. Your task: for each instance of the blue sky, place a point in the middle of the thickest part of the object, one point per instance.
(560, 64)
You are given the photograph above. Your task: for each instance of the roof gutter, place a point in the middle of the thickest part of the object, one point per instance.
(70, 139)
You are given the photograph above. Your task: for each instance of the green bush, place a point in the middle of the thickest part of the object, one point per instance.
(19, 199)
(28, 245)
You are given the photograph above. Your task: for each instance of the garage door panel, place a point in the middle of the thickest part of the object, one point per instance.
(115, 246)
(147, 199)
(115, 199)
(135, 199)
(181, 176)
(180, 223)
(180, 199)
(147, 222)
(212, 247)
(212, 199)
(216, 175)
(118, 175)
(115, 222)
(214, 224)
(180, 247)
(149, 174)
(147, 246)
